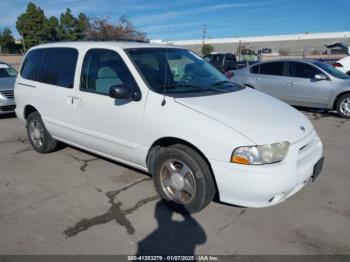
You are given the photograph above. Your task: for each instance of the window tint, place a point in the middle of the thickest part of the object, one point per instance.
(103, 69)
(217, 58)
(297, 69)
(58, 67)
(273, 68)
(55, 66)
(254, 69)
(31, 64)
(230, 57)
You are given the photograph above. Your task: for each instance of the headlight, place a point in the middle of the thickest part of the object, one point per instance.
(260, 155)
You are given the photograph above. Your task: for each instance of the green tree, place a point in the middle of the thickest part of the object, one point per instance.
(207, 49)
(51, 29)
(72, 28)
(32, 25)
(7, 41)
(82, 26)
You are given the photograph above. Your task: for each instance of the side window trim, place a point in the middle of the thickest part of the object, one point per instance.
(82, 89)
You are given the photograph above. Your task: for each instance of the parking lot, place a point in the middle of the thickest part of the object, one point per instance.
(72, 202)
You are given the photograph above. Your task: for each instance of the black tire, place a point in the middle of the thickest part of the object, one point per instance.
(338, 106)
(48, 144)
(200, 172)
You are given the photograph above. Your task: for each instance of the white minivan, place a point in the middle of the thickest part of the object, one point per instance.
(163, 109)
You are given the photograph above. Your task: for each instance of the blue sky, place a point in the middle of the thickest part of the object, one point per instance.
(224, 18)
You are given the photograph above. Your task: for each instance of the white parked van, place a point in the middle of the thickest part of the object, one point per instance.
(163, 109)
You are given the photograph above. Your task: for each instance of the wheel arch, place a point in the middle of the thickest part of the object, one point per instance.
(28, 109)
(338, 96)
(169, 141)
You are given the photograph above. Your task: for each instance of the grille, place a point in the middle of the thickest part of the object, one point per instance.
(8, 94)
(7, 108)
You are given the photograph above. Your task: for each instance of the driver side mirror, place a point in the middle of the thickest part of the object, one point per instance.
(320, 77)
(124, 92)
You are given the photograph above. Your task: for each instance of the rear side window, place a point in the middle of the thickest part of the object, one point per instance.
(31, 64)
(58, 67)
(301, 70)
(54, 66)
(273, 68)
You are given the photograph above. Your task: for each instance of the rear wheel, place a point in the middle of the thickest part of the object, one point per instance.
(343, 106)
(39, 137)
(183, 179)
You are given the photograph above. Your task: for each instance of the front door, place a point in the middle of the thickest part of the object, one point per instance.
(108, 126)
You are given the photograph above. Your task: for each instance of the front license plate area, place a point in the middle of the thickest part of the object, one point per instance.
(317, 169)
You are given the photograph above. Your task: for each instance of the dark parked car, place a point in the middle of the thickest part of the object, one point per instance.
(223, 61)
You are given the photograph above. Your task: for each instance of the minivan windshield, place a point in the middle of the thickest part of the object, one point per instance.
(179, 71)
(331, 70)
(7, 71)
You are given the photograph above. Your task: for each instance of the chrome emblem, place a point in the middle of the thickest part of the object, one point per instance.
(302, 128)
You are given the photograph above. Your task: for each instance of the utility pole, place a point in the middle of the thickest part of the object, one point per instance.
(239, 50)
(204, 30)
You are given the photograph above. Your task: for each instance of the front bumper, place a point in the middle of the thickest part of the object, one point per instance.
(7, 106)
(268, 185)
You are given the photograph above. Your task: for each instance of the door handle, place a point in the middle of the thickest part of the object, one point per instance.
(74, 101)
(77, 101)
(291, 83)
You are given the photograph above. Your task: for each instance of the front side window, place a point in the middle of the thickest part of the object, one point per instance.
(7, 71)
(178, 71)
(301, 70)
(103, 69)
(332, 70)
(272, 68)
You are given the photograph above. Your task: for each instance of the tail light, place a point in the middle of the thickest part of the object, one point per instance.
(337, 65)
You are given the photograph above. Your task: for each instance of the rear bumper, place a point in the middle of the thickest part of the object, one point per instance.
(268, 185)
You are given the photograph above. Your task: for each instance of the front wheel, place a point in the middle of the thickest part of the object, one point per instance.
(183, 179)
(343, 106)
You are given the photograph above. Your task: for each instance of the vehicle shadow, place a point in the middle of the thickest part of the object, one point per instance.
(317, 113)
(7, 116)
(172, 237)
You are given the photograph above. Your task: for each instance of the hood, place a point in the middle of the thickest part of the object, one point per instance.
(7, 83)
(259, 117)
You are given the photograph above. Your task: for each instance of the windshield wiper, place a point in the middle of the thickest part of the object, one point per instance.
(212, 87)
(220, 83)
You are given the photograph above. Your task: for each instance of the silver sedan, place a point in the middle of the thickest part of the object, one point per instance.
(7, 82)
(307, 83)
